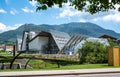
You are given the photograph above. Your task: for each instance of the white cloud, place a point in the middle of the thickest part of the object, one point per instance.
(13, 11)
(14, 26)
(27, 10)
(68, 11)
(33, 2)
(55, 7)
(117, 6)
(2, 11)
(83, 20)
(4, 28)
(112, 17)
(95, 19)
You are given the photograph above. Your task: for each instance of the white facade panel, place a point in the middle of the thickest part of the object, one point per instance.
(38, 43)
(43, 41)
(60, 38)
(32, 34)
(18, 44)
(34, 44)
(24, 42)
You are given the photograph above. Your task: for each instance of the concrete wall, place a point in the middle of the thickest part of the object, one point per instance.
(38, 43)
(24, 42)
(18, 44)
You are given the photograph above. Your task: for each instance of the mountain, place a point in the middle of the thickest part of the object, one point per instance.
(87, 28)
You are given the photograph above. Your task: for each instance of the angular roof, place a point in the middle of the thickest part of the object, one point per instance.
(108, 36)
(61, 38)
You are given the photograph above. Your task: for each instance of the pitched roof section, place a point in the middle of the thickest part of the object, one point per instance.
(108, 36)
(74, 40)
(61, 38)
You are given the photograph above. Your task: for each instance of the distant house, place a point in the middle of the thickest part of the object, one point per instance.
(1, 47)
(9, 48)
(6, 47)
(44, 42)
(108, 37)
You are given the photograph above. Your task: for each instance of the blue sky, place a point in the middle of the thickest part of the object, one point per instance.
(14, 13)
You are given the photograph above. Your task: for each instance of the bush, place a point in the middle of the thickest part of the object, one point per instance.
(2, 51)
(112, 42)
(93, 52)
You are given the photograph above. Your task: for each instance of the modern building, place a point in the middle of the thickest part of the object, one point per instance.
(108, 37)
(18, 44)
(69, 47)
(44, 42)
(77, 41)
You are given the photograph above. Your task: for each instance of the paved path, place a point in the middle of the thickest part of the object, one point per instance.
(87, 75)
(60, 72)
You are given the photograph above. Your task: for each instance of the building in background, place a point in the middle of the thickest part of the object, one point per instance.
(49, 42)
(18, 44)
(9, 48)
(6, 47)
(1, 47)
(56, 42)
(108, 37)
(76, 42)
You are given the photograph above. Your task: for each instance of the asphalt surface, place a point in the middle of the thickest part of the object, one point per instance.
(101, 72)
(88, 75)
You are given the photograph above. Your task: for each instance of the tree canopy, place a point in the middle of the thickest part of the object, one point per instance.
(93, 52)
(91, 6)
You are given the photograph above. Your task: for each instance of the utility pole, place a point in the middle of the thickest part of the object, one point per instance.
(14, 51)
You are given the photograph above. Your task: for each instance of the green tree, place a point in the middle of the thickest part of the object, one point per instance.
(93, 52)
(112, 42)
(91, 6)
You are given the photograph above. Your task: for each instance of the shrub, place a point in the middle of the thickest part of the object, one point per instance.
(2, 51)
(93, 52)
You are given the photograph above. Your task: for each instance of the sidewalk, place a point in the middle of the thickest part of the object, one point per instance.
(59, 72)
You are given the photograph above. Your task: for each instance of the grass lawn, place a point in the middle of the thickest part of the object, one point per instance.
(41, 65)
(68, 67)
(82, 66)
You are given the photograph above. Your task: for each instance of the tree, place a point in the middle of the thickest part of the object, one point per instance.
(91, 6)
(93, 52)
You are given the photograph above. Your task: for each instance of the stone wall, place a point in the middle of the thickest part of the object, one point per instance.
(59, 56)
(7, 66)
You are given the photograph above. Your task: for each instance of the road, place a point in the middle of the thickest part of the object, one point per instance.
(98, 72)
(88, 75)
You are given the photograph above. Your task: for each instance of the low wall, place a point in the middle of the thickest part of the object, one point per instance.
(59, 56)
(7, 66)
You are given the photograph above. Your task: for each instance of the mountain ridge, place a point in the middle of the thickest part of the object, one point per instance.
(88, 29)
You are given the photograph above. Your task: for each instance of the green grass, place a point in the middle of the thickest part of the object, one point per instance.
(68, 67)
(82, 66)
(41, 65)
(5, 54)
(86, 66)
